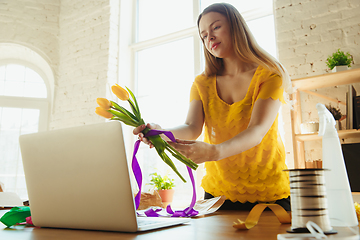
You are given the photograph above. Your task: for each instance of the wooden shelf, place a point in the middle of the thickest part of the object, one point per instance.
(304, 84)
(327, 80)
(349, 133)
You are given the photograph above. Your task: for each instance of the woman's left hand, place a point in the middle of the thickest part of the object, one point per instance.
(197, 151)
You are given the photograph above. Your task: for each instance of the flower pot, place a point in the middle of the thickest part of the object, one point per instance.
(166, 196)
(340, 68)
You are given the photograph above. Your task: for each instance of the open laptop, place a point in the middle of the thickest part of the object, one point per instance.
(79, 178)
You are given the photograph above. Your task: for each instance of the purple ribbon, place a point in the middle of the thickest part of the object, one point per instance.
(137, 172)
(153, 213)
(187, 212)
(154, 132)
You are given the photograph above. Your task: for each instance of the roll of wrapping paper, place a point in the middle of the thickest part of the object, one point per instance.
(308, 200)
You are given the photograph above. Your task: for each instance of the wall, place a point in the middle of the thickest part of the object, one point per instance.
(33, 24)
(307, 32)
(78, 39)
(88, 59)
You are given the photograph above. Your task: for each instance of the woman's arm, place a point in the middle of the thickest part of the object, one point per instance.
(262, 118)
(193, 125)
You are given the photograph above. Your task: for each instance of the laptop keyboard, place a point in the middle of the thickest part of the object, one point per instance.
(143, 221)
(147, 223)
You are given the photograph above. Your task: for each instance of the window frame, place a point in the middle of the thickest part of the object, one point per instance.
(4, 62)
(41, 104)
(30, 103)
(177, 35)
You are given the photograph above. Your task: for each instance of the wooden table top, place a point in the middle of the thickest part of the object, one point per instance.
(215, 226)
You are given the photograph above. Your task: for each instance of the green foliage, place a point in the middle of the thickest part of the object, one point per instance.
(339, 58)
(334, 111)
(161, 183)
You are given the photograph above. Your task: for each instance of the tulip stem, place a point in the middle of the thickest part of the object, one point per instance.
(187, 161)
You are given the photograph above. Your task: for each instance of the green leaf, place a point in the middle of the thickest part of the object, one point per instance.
(160, 145)
(339, 58)
(125, 122)
(187, 161)
(135, 101)
(124, 111)
(161, 183)
(168, 161)
(134, 109)
(124, 118)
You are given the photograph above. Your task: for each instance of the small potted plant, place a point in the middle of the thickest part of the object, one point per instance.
(164, 186)
(337, 115)
(339, 61)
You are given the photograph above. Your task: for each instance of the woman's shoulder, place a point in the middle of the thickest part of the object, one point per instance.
(265, 74)
(269, 85)
(202, 79)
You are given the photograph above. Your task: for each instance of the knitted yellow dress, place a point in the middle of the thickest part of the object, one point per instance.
(256, 174)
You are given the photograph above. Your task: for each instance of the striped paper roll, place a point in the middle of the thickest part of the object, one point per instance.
(308, 199)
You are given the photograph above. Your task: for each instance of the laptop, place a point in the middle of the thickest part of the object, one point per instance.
(79, 178)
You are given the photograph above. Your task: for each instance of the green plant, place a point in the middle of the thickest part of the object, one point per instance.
(161, 183)
(334, 111)
(339, 58)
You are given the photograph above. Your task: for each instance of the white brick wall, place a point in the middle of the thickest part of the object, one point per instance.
(88, 59)
(79, 39)
(308, 31)
(34, 24)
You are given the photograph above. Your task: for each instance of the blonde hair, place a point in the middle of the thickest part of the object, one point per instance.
(244, 44)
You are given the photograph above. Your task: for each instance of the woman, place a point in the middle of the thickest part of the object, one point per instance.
(238, 98)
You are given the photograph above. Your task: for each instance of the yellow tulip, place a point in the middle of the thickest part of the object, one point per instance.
(103, 113)
(120, 92)
(103, 103)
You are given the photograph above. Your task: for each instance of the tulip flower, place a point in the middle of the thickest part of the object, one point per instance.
(120, 92)
(103, 113)
(114, 111)
(103, 103)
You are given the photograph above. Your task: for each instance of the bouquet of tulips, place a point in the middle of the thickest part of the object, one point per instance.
(114, 111)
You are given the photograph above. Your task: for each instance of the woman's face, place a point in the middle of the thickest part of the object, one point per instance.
(215, 32)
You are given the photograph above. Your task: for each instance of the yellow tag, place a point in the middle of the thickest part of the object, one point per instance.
(254, 215)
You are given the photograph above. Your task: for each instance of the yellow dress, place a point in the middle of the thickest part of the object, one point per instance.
(256, 174)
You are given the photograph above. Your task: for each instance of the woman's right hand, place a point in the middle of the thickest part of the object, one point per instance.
(138, 131)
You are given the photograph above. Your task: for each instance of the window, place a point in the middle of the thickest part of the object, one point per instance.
(21, 81)
(167, 55)
(23, 109)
